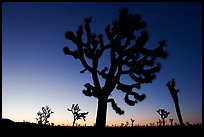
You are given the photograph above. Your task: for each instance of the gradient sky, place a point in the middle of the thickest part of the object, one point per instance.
(36, 73)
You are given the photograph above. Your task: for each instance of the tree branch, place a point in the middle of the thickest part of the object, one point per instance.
(115, 107)
(136, 96)
(90, 90)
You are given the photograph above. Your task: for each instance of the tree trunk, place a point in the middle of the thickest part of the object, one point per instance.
(101, 113)
(178, 113)
(74, 120)
(163, 121)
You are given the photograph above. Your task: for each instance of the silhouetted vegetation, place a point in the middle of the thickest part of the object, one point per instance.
(159, 123)
(20, 128)
(132, 121)
(171, 121)
(44, 115)
(76, 113)
(128, 57)
(127, 124)
(174, 94)
(163, 114)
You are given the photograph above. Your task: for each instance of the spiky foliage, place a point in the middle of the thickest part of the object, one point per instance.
(174, 94)
(127, 37)
(163, 114)
(76, 113)
(44, 115)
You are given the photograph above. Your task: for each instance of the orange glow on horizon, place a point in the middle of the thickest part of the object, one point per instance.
(108, 123)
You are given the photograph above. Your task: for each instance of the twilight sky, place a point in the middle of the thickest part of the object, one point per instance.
(36, 73)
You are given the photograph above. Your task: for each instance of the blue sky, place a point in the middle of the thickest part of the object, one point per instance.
(35, 71)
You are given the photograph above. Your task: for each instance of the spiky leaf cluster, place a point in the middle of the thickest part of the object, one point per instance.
(163, 113)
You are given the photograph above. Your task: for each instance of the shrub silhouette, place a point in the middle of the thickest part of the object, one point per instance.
(151, 124)
(127, 124)
(128, 57)
(171, 86)
(44, 115)
(159, 123)
(163, 114)
(76, 113)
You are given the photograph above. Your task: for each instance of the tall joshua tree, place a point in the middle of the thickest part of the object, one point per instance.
(171, 86)
(128, 57)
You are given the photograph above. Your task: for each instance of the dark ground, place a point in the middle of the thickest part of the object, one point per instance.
(9, 127)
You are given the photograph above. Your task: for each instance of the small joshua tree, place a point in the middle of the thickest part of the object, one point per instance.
(44, 115)
(76, 113)
(171, 86)
(171, 121)
(132, 120)
(163, 114)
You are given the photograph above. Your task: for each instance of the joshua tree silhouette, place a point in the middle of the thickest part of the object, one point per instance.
(163, 114)
(44, 115)
(171, 121)
(76, 113)
(171, 86)
(132, 121)
(128, 57)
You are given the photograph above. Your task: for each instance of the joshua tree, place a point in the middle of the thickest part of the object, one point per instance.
(163, 114)
(132, 120)
(171, 121)
(76, 113)
(127, 57)
(171, 86)
(44, 115)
